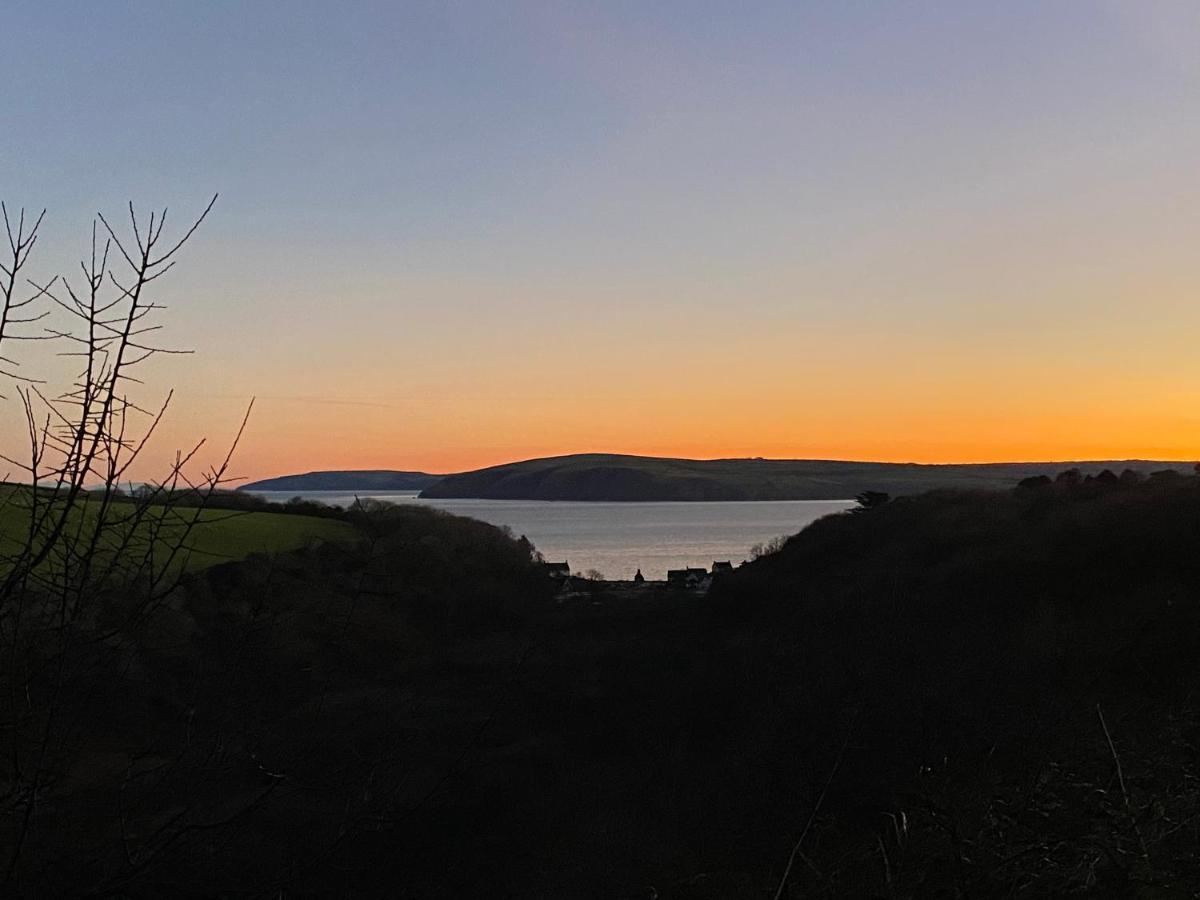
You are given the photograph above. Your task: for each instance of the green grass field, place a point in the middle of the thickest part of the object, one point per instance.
(222, 535)
(218, 536)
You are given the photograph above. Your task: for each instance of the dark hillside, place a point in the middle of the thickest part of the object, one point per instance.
(962, 647)
(937, 661)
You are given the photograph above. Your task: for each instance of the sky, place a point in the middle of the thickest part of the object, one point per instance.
(456, 234)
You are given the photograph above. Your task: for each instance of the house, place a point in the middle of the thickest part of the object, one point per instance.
(557, 570)
(722, 567)
(688, 578)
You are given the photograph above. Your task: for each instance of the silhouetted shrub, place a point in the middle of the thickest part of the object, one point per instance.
(1165, 475)
(1034, 482)
(872, 499)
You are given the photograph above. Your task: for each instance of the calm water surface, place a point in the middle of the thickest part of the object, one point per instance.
(618, 538)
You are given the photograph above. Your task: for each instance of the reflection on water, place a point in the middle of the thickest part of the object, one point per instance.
(618, 538)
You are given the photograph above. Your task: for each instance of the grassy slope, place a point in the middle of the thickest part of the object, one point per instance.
(219, 536)
(631, 478)
(223, 536)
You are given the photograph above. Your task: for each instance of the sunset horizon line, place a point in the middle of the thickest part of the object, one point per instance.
(901, 461)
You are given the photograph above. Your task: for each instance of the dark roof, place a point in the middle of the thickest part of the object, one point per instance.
(726, 564)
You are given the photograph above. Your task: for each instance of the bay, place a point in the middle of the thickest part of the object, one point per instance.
(616, 539)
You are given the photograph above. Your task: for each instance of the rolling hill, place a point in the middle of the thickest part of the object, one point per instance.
(613, 477)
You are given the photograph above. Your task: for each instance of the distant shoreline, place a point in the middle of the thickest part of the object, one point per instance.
(621, 478)
(279, 496)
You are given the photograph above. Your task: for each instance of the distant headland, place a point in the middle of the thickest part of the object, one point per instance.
(622, 478)
(346, 480)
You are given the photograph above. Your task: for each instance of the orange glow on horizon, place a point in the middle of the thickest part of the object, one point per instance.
(283, 439)
(960, 233)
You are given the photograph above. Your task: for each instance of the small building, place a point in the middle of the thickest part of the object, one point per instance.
(557, 570)
(722, 567)
(687, 578)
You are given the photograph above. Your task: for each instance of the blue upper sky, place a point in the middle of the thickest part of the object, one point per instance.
(452, 191)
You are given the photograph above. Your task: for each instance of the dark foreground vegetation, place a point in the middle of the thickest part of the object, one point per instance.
(271, 716)
(968, 693)
(998, 688)
(956, 694)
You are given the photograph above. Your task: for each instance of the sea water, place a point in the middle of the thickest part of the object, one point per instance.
(616, 539)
